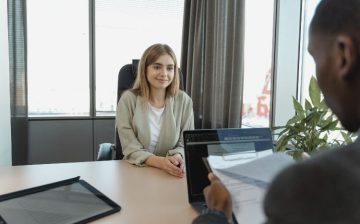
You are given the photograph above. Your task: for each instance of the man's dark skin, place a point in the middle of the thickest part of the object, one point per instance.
(326, 187)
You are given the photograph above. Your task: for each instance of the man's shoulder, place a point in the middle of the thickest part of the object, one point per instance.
(334, 159)
(316, 185)
(345, 155)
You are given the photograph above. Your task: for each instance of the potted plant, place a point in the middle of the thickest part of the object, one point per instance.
(312, 127)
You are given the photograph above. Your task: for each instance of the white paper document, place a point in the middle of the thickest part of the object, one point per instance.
(247, 180)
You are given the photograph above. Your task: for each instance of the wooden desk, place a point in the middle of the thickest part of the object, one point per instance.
(146, 194)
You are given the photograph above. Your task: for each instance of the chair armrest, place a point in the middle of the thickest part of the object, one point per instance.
(105, 151)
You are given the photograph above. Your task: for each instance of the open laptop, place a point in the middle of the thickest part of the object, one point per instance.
(204, 142)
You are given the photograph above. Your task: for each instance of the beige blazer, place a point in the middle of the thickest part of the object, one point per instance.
(134, 131)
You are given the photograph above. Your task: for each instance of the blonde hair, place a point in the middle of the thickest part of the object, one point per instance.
(142, 86)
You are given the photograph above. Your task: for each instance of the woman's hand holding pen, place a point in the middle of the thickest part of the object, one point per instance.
(174, 165)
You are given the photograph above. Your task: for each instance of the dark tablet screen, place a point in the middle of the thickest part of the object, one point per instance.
(77, 202)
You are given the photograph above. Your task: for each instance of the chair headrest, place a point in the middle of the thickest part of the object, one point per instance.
(134, 67)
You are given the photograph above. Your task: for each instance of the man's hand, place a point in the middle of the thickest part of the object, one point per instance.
(217, 196)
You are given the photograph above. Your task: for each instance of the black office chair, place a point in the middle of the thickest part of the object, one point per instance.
(126, 79)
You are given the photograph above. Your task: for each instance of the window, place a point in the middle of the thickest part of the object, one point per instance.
(58, 49)
(124, 29)
(258, 58)
(58, 58)
(307, 65)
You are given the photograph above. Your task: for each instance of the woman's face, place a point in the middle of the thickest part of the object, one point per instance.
(161, 73)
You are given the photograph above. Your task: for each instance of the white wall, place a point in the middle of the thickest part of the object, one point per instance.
(5, 127)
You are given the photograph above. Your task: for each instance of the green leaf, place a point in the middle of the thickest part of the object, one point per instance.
(318, 142)
(309, 116)
(281, 143)
(293, 120)
(333, 125)
(309, 129)
(323, 105)
(302, 115)
(326, 137)
(308, 105)
(346, 137)
(283, 131)
(315, 118)
(297, 106)
(314, 92)
(326, 125)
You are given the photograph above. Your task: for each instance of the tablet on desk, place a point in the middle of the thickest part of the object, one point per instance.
(64, 202)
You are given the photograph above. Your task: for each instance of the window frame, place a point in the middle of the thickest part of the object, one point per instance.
(286, 60)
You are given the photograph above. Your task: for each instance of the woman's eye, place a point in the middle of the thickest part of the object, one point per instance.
(170, 68)
(157, 67)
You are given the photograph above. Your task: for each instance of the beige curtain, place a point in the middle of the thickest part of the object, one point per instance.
(212, 60)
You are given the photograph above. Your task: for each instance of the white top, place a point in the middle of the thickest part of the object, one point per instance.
(155, 120)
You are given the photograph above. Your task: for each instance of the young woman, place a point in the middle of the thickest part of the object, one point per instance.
(152, 116)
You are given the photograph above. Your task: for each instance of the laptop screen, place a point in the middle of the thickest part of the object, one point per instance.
(225, 142)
